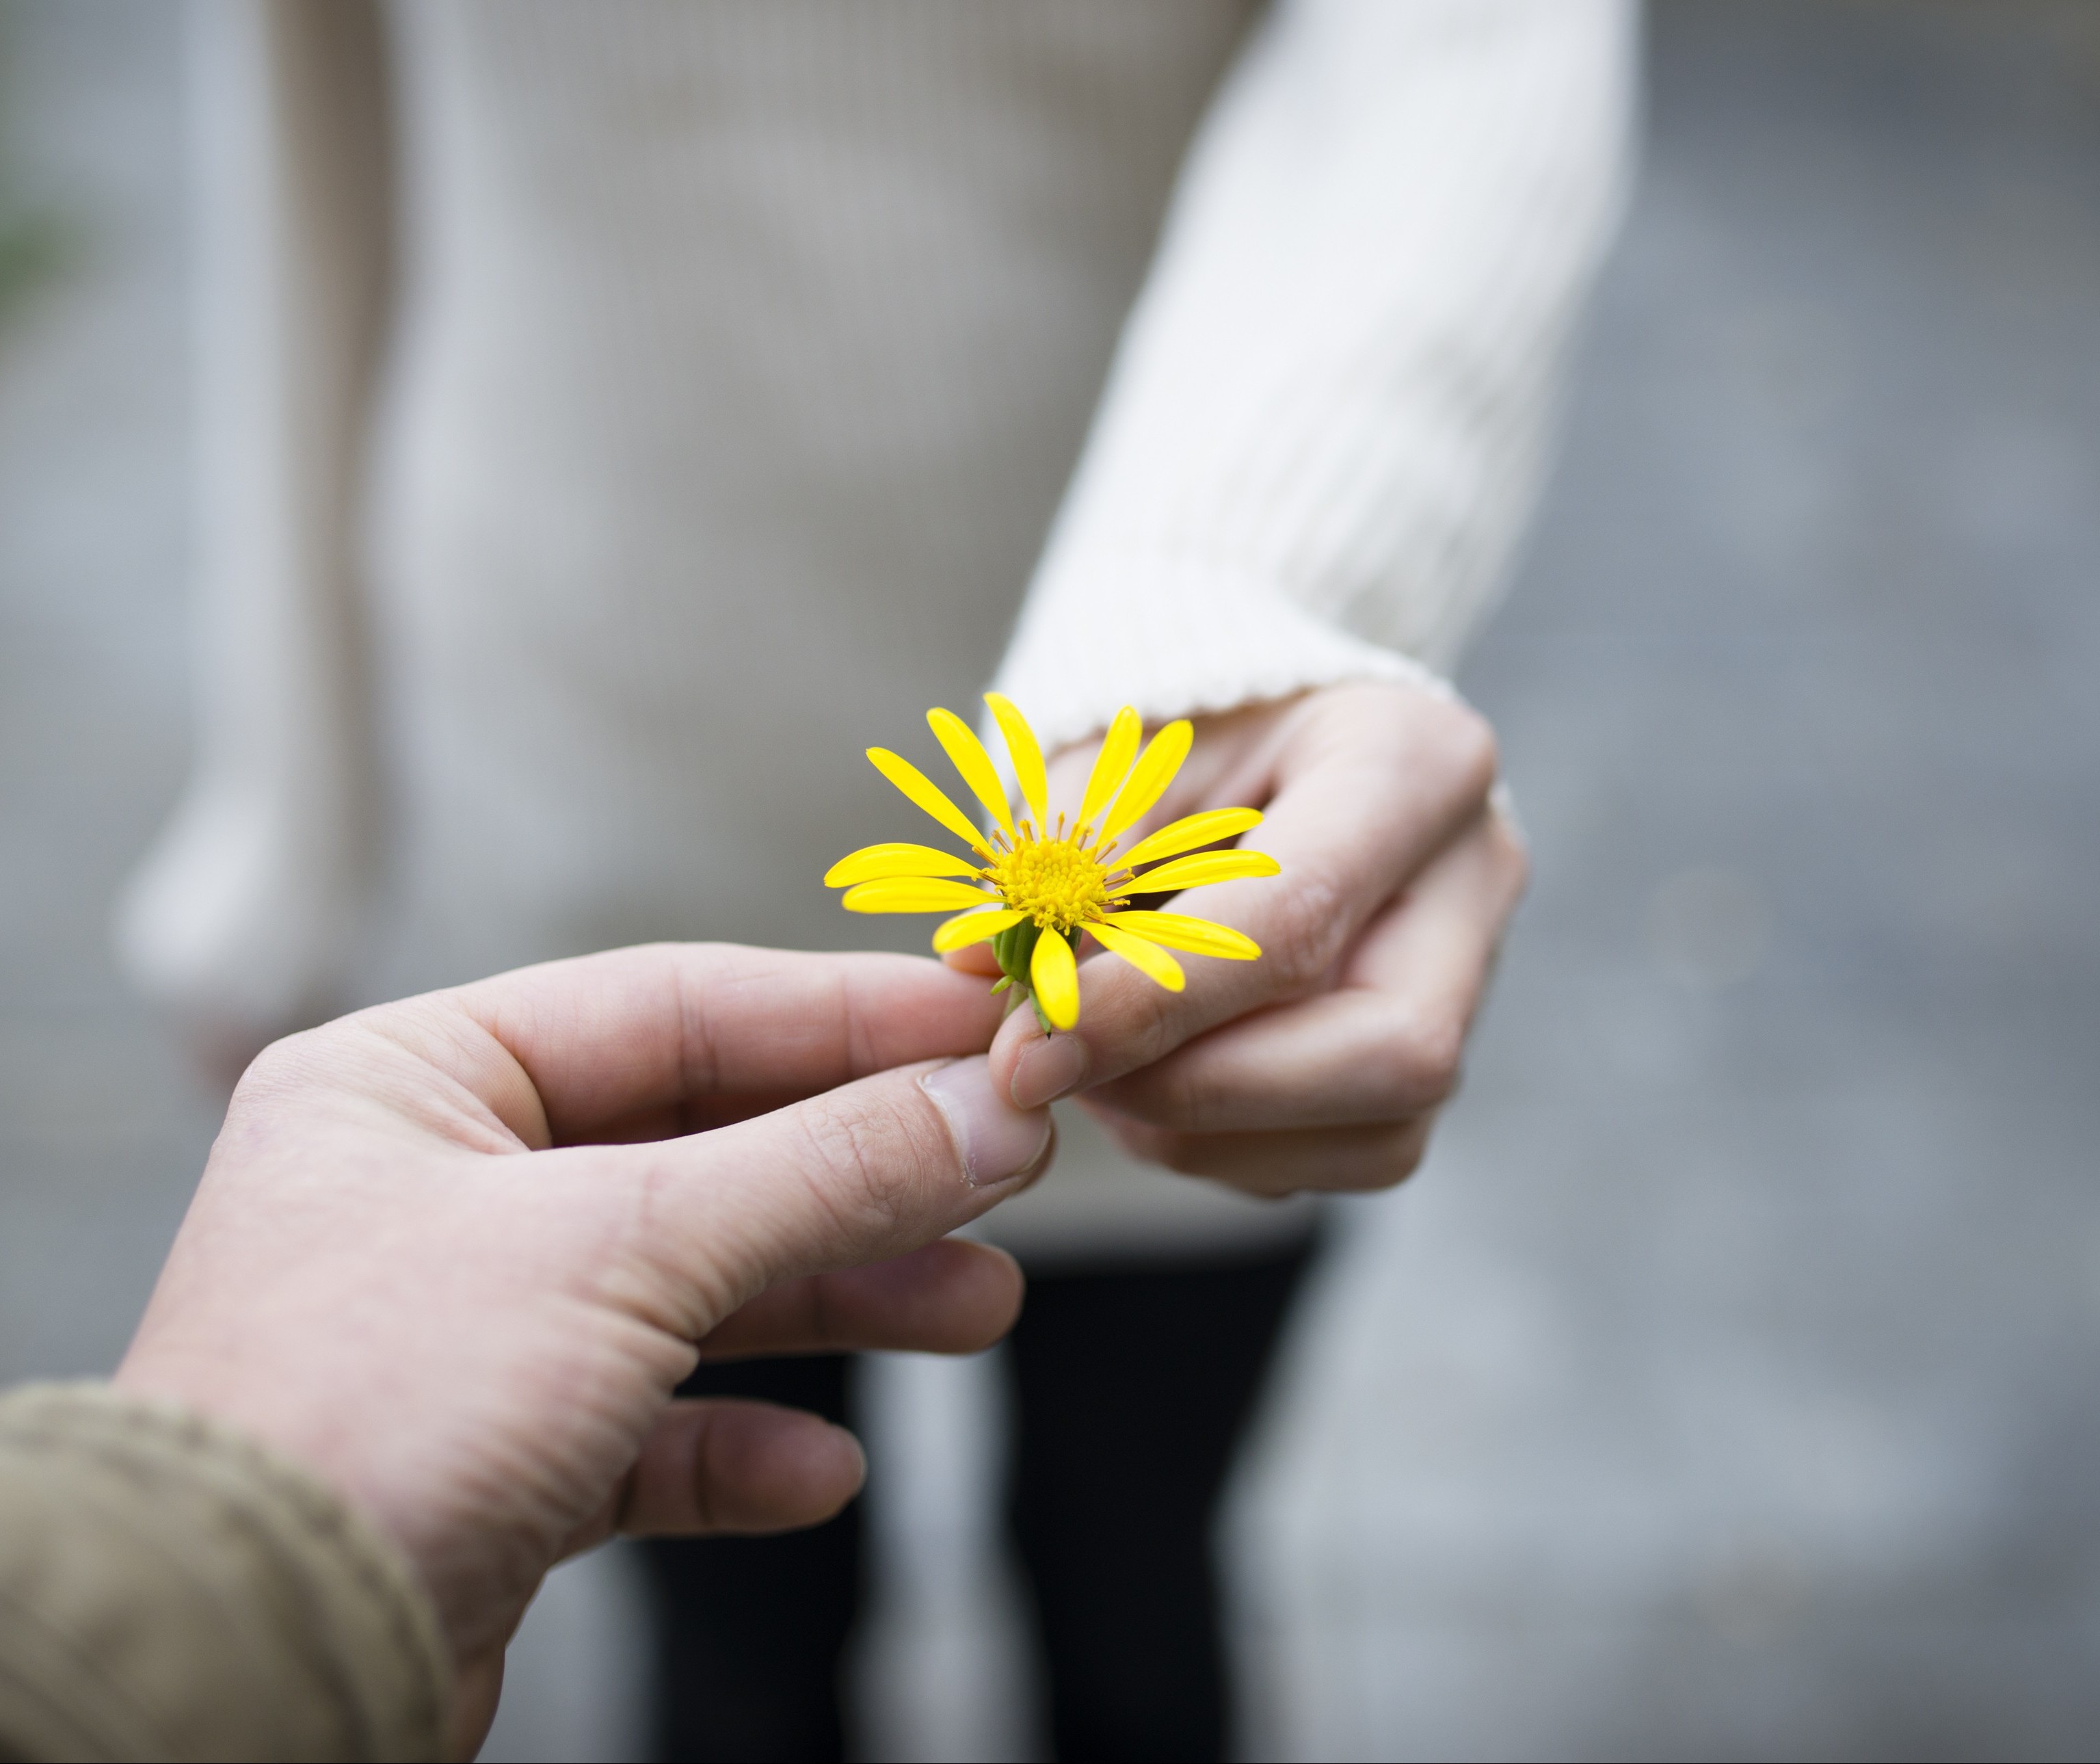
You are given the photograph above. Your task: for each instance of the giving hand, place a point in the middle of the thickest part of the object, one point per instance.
(1322, 1064)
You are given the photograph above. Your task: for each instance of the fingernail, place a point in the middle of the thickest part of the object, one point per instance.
(997, 1140)
(1049, 1069)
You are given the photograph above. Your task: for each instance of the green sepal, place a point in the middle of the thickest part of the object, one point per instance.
(1015, 948)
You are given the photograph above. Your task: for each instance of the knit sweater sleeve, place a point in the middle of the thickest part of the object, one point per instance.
(1323, 427)
(239, 916)
(169, 1590)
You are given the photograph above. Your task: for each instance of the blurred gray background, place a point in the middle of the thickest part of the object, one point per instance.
(1729, 1383)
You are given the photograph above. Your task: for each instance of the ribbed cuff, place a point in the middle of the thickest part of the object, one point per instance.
(1174, 637)
(169, 1589)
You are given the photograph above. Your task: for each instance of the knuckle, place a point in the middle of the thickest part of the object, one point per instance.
(1183, 1153)
(1385, 1160)
(1508, 850)
(1305, 938)
(861, 1164)
(1178, 1103)
(1163, 1096)
(302, 1064)
(1471, 748)
(1151, 1144)
(1403, 1157)
(278, 1066)
(1152, 1028)
(1418, 1061)
(1514, 856)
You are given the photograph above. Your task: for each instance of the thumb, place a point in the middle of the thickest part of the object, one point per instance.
(870, 1170)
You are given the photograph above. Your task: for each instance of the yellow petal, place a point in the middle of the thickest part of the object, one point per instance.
(973, 928)
(1155, 964)
(1055, 978)
(1179, 930)
(1189, 832)
(1150, 776)
(967, 752)
(922, 791)
(1118, 748)
(913, 894)
(1027, 757)
(872, 861)
(1205, 867)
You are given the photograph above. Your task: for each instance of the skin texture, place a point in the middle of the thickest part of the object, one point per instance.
(453, 1254)
(1323, 1064)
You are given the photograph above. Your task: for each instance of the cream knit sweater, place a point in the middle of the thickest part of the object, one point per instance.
(615, 416)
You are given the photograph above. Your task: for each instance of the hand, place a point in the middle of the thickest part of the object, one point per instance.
(453, 1254)
(1321, 1065)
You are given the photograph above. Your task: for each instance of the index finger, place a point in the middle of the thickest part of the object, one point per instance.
(662, 1028)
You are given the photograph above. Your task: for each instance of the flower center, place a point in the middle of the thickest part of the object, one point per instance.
(1052, 881)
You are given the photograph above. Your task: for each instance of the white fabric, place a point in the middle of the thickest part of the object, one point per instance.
(1324, 427)
(248, 909)
(736, 362)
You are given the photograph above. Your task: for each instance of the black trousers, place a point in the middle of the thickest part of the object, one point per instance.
(1132, 1390)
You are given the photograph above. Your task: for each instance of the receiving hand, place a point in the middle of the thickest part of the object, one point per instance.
(453, 1254)
(1322, 1065)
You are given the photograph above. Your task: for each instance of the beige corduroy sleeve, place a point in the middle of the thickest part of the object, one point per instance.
(168, 1590)
(1324, 427)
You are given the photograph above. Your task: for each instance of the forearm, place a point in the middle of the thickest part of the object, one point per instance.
(168, 1589)
(1324, 427)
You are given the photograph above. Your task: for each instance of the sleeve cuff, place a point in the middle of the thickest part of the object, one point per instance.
(1174, 637)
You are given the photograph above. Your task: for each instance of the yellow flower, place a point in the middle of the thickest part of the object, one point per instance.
(1031, 889)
